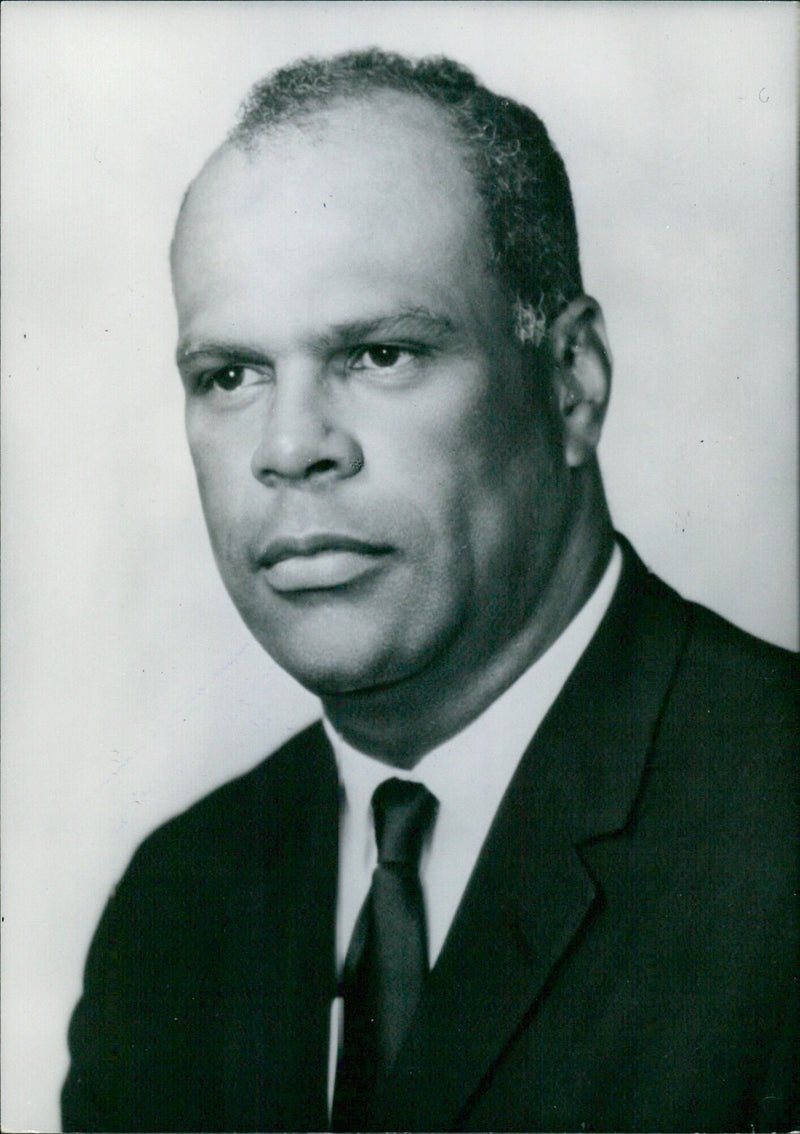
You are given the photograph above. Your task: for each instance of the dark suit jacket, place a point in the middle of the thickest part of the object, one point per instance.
(623, 958)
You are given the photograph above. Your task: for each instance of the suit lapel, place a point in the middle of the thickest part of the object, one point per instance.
(530, 893)
(527, 898)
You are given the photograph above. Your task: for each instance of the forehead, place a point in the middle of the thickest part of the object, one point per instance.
(380, 182)
(388, 141)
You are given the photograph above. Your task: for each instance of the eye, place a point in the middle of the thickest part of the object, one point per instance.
(230, 378)
(380, 356)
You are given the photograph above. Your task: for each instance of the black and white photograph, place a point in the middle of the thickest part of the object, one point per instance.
(399, 566)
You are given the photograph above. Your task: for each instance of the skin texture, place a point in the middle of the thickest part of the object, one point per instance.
(403, 502)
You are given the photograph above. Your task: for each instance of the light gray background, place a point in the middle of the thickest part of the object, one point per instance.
(130, 686)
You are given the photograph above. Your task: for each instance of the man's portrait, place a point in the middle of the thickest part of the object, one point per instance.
(402, 466)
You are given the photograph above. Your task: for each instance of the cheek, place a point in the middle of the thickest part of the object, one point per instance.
(463, 461)
(501, 472)
(221, 488)
(433, 475)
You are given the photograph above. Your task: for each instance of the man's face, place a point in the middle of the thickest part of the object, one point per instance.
(380, 471)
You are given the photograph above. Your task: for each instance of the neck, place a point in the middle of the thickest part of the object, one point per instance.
(401, 722)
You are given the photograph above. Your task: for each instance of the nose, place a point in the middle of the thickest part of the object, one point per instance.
(300, 441)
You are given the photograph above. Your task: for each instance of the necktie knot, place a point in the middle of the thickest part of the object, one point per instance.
(403, 812)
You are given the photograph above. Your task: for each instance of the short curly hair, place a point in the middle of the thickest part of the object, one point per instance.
(519, 174)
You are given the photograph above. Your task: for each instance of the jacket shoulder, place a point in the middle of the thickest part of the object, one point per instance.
(243, 817)
(723, 767)
(175, 950)
(751, 681)
(723, 665)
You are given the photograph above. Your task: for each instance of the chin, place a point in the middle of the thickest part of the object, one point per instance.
(337, 648)
(332, 678)
(333, 669)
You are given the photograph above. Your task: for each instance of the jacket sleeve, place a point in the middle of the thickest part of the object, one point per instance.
(92, 1098)
(143, 994)
(778, 1104)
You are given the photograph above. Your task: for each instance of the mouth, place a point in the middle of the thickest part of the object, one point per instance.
(319, 562)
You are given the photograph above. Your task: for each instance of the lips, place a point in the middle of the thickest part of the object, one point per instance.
(319, 561)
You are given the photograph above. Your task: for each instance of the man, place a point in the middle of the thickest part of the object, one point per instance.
(394, 392)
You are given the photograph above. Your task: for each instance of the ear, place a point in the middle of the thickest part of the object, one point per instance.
(582, 357)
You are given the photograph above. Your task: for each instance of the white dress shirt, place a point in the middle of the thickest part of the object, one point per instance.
(468, 774)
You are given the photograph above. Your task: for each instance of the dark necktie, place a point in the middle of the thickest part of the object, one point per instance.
(387, 961)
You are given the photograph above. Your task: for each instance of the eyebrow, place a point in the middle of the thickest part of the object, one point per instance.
(407, 320)
(415, 320)
(187, 352)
